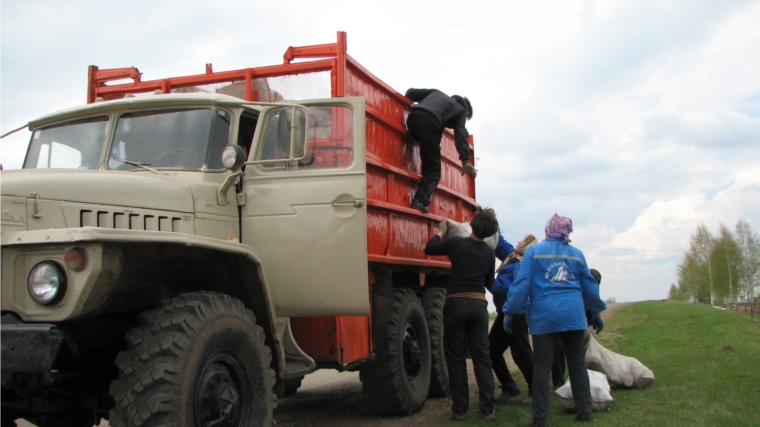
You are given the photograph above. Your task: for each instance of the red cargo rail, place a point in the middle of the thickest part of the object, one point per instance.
(396, 234)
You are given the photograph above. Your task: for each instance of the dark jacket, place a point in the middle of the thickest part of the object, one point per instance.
(448, 110)
(472, 263)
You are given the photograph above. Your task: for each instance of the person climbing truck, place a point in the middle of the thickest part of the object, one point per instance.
(433, 112)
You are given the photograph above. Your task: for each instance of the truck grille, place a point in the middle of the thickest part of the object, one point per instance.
(128, 220)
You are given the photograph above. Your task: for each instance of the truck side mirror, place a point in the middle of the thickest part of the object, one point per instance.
(291, 132)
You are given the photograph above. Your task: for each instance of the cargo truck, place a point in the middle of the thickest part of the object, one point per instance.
(182, 251)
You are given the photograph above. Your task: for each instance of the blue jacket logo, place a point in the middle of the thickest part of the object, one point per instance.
(559, 272)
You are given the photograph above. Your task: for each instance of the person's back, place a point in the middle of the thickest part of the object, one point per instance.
(465, 312)
(472, 265)
(559, 278)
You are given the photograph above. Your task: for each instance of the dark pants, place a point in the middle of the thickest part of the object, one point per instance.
(465, 324)
(519, 345)
(425, 128)
(543, 354)
(558, 365)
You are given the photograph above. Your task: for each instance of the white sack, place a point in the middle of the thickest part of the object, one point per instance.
(621, 371)
(601, 400)
(463, 229)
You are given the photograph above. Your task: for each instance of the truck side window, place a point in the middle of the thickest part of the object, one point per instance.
(247, 129)
(329, 142)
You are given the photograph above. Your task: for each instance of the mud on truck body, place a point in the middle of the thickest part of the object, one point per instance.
(183, 251)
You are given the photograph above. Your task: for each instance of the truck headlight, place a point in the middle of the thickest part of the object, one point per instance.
(233, 157)
(46, 283)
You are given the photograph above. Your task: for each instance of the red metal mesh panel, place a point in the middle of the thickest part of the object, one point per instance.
(312, 85)
(236, 89)
(293, 87)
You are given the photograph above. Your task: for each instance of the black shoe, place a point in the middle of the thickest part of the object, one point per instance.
(416, 204)
(507, 394)
(583, 418)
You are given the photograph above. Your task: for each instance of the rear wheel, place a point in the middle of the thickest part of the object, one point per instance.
(432, 301)
(397, 382)
(199, 361)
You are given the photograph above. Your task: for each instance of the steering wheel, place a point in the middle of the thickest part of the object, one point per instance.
(180, 152)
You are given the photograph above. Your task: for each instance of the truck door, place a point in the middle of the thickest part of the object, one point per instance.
(307, 218)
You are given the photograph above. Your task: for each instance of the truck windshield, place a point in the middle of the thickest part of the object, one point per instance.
(72, 145)
(175, 139)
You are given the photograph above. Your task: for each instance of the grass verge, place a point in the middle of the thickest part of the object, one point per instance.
(696, 383)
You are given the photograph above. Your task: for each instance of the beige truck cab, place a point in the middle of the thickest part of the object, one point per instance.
(168, 219)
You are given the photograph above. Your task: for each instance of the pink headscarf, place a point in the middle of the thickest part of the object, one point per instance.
(559, 227)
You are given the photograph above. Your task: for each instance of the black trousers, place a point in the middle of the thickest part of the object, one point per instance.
(425, 128)
(519, 345)
(543, 354)
(465, 324)
(558, 365)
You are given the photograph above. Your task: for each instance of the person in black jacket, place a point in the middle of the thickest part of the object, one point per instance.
(433, 112)
(465, 312)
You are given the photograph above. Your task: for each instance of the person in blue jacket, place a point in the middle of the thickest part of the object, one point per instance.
(517, 340)
(556, 278)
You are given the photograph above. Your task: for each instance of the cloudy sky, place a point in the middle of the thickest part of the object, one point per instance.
(638, 119)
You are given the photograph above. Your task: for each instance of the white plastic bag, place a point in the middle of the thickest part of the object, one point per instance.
(601, 400)
(463, 229)
(621, 371)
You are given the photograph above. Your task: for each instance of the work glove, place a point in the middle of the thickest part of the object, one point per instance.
(597, 323)
(467, 167)
(508, 324)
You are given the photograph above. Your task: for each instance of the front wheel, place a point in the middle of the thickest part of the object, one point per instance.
(397, 382)
(198, 361)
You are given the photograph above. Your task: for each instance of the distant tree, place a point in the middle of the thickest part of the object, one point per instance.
(694, 275)
(726, 264)
(676, 294)
(749, 243)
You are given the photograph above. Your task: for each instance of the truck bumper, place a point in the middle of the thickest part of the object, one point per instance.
(28, 347)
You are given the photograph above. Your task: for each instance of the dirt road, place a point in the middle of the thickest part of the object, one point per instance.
(330, 398)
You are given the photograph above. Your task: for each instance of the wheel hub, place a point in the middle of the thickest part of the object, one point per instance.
(216, 397)
(412, 358)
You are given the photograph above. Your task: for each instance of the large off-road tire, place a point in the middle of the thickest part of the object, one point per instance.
(197, 361)
(397, 382)
(432, 301)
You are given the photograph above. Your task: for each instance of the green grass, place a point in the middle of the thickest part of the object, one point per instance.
(696, 384)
